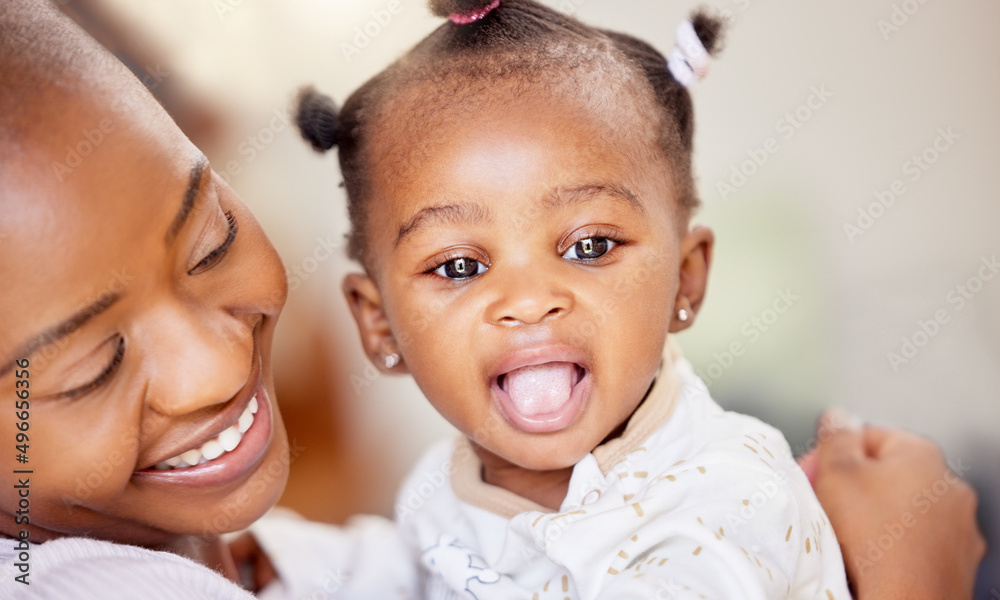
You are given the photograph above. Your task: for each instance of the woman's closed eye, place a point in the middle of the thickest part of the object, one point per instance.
(105, 374)
(217, 255)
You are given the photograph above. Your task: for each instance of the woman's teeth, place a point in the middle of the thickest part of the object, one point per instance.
(227, 441)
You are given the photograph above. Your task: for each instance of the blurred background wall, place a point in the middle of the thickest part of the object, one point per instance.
(847, 156)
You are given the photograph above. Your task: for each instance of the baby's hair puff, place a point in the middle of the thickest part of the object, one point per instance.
(505, 46)
(316, 118)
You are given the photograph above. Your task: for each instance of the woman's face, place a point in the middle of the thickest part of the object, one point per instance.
(142, 295)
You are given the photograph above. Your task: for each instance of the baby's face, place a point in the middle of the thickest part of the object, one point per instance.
(528, 269)
(146, 320)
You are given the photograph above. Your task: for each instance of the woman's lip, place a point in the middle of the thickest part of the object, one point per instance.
(556, 420)
(229, 467)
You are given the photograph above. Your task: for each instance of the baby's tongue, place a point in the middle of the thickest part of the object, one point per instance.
(540, 389)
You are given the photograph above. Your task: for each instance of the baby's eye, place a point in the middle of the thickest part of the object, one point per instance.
(590, 248)
(460, 268)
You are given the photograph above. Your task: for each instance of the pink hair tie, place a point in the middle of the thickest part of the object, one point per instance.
(475, 15)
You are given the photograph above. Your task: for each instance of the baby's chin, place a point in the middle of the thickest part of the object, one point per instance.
(539, 455)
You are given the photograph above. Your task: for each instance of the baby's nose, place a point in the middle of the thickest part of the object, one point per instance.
(523, 299)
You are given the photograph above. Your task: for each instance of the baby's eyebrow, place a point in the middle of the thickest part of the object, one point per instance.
(564, 196)
(461, 212)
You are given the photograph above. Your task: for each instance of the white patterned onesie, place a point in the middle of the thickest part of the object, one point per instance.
(690, 502)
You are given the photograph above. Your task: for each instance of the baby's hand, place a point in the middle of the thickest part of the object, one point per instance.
(252, 564)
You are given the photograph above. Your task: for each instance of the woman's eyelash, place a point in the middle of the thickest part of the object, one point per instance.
(215, 255)
(103, 377)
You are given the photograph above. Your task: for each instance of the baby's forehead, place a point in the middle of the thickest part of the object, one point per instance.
(420, 116)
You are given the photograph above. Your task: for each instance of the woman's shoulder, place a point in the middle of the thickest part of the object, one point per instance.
(77, 567)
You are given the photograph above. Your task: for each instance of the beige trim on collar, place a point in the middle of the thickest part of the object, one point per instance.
(652, 414)
(468, 485)
(467, 479)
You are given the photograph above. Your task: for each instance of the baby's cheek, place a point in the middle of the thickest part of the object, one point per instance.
(414, 320)
(645, 292)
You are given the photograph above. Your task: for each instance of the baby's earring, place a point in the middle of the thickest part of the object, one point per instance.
(684, 312)
(388, 356)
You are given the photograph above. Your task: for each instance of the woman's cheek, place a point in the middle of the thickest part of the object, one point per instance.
(80, 468)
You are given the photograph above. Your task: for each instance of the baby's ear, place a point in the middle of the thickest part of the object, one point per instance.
(366, 305)
(696, 258)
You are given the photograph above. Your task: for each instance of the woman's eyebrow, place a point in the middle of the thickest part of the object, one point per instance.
(60, 331)
(190, 195)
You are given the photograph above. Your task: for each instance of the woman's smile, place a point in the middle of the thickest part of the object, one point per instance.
(228, 466)
(238, 438)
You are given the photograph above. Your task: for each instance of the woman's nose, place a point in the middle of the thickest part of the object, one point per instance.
(196, 358)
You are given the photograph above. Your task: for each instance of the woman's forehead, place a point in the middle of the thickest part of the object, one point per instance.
(82, 204)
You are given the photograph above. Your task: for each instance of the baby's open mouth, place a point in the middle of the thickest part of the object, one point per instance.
(541, 389)
(227, 441)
